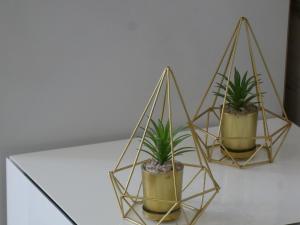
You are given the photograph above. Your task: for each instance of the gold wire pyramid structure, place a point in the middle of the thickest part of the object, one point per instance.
(199, 186)
(273, 123)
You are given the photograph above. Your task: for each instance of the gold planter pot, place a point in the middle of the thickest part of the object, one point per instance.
(238, 132)
(160, 186)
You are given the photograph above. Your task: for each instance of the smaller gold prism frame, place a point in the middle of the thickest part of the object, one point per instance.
(269, 137)
(198, 187)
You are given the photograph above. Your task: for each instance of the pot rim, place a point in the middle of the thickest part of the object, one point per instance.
(161, 172)
(241, 113)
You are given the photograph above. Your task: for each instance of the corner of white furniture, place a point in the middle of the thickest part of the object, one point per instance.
(27, 203)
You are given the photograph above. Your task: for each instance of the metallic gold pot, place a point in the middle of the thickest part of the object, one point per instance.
(160, 186)
(240, 131)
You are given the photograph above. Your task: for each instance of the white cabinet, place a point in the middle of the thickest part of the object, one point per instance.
(75, 188)
(27, 204)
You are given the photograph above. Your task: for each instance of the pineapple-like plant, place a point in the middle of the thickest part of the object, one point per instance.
(157, 141)
(240, 90)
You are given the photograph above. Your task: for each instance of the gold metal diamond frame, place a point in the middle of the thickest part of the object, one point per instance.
(199, 186)
(210, 113)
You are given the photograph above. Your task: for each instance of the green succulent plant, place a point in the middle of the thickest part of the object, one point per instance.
(157, 141)
(239, 93)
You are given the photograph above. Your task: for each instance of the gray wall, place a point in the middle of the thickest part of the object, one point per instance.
(79, 71)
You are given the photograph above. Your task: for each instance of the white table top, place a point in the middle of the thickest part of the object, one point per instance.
(77, 180)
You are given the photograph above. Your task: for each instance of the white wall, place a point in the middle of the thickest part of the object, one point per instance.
(79, 71)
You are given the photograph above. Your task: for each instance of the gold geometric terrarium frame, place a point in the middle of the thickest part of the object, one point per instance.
(270, 141)
(130, 201)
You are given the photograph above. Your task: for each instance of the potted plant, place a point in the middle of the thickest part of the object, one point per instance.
(239, 122)
(157, 172)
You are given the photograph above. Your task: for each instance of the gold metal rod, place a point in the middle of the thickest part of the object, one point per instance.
(191, 126)
(186, 113)
(206, 127)
(191, 181)
(164, 104)
(204, 185)
(269, 149)
(180, 96)
(196, 140)
(140, 120)
(192, 165)
(216, 72)
(171, 132)
(198, 150)
(193, 222)
(216, 115)
(213, 146)
(137, 195)
(280, 129)
(125, 193)
(185, 217)
(205, 132)
(252, 156)
(122, 206)
(189, 206)
(209, 152)
(276, 115)
(198, 194)
(169, 211)
(128, 166)
(120, 185)
(210, 148)
(144, 133)
(215, 108)
(132, 221)
(231, 61)
(232, 164)
(279, 136)
(225, 152)
(133, 209)
(126, 214)
(128, 211)
(201, 114)
(222, 158)
(267, 69)
(116, 193)
(256, 163)
(283, 138)
(233, 160)
(258, 90)
(257, 86)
